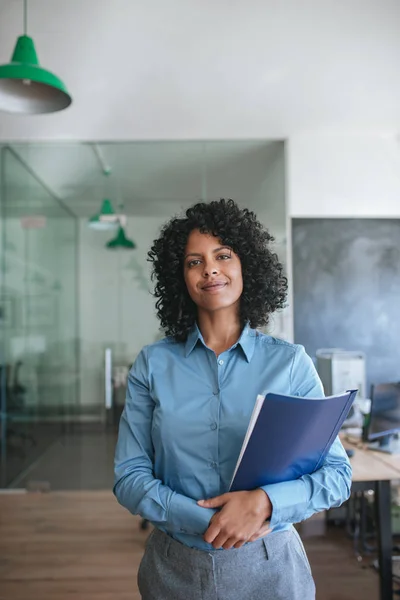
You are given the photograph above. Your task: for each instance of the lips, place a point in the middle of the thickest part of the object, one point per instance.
(214, 286)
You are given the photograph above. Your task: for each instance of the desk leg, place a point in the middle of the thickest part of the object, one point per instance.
(384, 525)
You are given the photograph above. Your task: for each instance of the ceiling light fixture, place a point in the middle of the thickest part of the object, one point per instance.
(27, 88)
(106, 219)
(121, 241)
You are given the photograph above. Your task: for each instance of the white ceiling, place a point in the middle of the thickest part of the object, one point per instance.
(147, 178)
(226, 69)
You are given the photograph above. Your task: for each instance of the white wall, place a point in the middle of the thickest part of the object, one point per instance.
(270, 202)
(116, 308)
(270, 207)
(343, 176)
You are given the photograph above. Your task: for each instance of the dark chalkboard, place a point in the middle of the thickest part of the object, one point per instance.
(346, 283)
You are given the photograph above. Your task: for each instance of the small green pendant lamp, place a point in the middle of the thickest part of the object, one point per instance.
(121, 241)
(106, 219)
(27, 88)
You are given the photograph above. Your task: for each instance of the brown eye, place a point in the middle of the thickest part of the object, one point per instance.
(193, 263)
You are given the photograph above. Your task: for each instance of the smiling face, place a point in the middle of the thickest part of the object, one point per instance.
(212, 272)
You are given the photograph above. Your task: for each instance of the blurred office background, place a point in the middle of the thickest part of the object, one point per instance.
(293, 110)
(67, 297)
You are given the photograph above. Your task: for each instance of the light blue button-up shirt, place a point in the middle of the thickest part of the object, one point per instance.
(184, 422)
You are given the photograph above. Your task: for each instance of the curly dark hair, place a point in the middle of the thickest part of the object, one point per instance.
(264, 285)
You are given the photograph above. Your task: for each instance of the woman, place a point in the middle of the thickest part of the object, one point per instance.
(189, 400)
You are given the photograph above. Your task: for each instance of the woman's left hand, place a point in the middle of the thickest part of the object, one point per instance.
(242, 516)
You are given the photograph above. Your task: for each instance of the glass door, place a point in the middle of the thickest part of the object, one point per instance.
(39, 352)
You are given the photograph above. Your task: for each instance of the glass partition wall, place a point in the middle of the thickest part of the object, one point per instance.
(38, 316)
(68, 299)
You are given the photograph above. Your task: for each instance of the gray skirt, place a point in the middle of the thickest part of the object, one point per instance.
(273, 568)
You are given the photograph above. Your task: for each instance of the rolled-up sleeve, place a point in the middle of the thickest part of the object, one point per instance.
(329, 486)
(135, 486)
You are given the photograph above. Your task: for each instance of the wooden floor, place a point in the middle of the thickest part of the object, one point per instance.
(83, 545)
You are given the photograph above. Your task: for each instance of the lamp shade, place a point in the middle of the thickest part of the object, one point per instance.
(107, 211)
(121, 241)
(25, 87)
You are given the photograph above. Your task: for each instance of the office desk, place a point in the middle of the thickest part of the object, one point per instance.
(375, 470)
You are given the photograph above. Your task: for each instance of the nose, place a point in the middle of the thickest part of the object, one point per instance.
(210, 269)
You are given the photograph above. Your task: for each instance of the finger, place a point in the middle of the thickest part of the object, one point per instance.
(214, 518)
(260, 534)
(241, 543)
(230, 543)
(264, 529)
(220, 540)
(214, 502)
(211, 533)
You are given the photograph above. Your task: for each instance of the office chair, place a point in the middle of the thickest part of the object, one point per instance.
(14, 402)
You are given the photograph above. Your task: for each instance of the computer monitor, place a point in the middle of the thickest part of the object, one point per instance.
(384, 420)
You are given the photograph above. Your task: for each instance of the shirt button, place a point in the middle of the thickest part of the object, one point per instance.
(216, 393)
(213, 465)
(213, 426)
(221, 362)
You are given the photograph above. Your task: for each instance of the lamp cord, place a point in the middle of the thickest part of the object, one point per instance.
(25, 16)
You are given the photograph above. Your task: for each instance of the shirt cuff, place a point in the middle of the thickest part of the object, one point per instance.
(186, 516)
(289, 501)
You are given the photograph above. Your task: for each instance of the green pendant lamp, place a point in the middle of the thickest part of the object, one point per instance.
(121, 241)
(27, 88)
(106, 219)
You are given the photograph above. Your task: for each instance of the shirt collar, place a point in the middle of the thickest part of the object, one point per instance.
(246, 341)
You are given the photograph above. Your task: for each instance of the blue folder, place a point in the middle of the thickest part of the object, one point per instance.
(291, 437)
